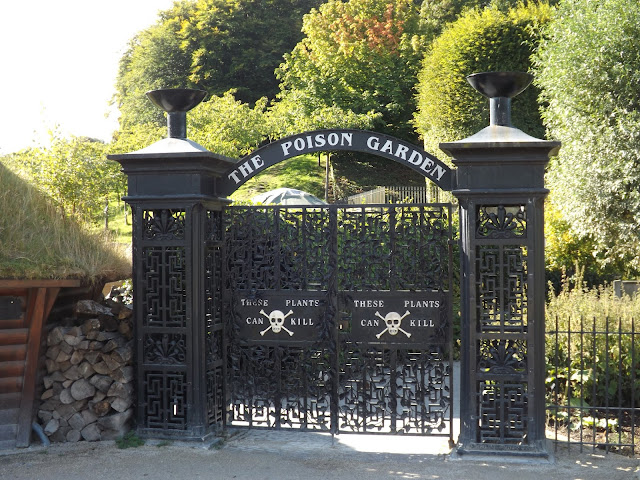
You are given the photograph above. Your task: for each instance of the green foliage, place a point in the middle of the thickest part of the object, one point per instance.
(156, 58)
(227, 126)
(136, 137)
(74, 173)
(38, 242)
(589, 73)
(564, 250)
(130, 440)
(436, 14)
(481, 40)
(594, 366)
(357, 56)
(296, 112)
(216, 45)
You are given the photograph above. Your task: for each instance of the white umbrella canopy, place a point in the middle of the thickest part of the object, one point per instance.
(287, 196)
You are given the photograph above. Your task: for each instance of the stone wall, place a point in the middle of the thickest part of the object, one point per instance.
(88, 390)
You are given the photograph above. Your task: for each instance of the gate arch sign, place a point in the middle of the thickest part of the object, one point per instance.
(373, 143)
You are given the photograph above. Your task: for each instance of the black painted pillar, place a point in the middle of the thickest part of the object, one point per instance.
(500, 188)
(177, 241)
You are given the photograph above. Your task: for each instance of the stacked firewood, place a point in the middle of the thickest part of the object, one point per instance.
(88, 386)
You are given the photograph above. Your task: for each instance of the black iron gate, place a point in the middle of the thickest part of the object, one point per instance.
(339, 318)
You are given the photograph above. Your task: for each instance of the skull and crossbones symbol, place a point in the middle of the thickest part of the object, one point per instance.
(393, 320)
(276, 322)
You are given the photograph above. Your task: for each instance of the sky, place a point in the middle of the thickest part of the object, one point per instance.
(58, 65)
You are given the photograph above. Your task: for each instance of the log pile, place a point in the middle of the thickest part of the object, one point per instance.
(88, 388)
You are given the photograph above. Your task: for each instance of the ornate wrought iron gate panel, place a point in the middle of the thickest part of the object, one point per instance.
(339, 318)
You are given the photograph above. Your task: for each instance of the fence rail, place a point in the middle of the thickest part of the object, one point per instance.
(593, 392)
(401, 194)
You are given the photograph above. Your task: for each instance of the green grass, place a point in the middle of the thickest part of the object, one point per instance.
(38, 242)
(301, 172)
(119, 227)
(129, 440)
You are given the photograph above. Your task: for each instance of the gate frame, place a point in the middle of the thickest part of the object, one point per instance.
(177, 188)
(333, 343)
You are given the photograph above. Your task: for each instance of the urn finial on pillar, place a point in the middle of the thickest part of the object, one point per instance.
(500, 88)
(177, 102)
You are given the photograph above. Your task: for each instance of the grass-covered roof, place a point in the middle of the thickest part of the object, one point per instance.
(37, 242)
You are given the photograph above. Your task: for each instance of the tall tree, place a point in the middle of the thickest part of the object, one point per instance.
(216, 45)
(358, 56)
(589, 73)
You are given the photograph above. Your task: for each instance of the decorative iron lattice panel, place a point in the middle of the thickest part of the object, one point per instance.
(215, 395)
(279, 387)
(336, 381)
(502, 357)
(213, 226)
(501, 288)
(164, 287)
(163, 224)
(394, 247)
(165, 349)
(395, 391)
(213, 325)
(213, 304)
(273, 248)
(501, 328)
(502, 412)
(501, 221)
(164, 400)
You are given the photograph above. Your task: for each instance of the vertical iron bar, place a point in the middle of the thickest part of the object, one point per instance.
(449, 345)
(594, 338)
(581, 375)
(278, 349)
(556, 384)
(277, 240)
(277, 401)
(620, 405)
(633, 386)
(606, 353)
(568, 399)
(332, 318)
(393, 360)
(393, 286)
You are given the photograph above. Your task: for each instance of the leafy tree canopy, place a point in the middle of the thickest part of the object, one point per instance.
(215, 45)
(357, 56)
(589, 71)
(491, 39)
(436, 14)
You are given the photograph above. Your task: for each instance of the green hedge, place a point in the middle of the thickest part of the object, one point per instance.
(479, 41)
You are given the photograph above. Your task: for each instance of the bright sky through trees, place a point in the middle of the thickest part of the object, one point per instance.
(59, 61)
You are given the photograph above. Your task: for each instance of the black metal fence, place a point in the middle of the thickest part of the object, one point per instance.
(344, 369)
(593, 389)
(399, 194)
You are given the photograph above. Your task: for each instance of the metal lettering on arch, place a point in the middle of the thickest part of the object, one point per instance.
(372, 143)
(339, 318)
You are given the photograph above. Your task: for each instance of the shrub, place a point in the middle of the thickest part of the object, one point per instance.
(479, 41)
(588, 70)
(589, 345)
(39, 242)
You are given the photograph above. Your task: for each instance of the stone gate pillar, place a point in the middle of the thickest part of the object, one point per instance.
(177, 239)
(500, 188)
